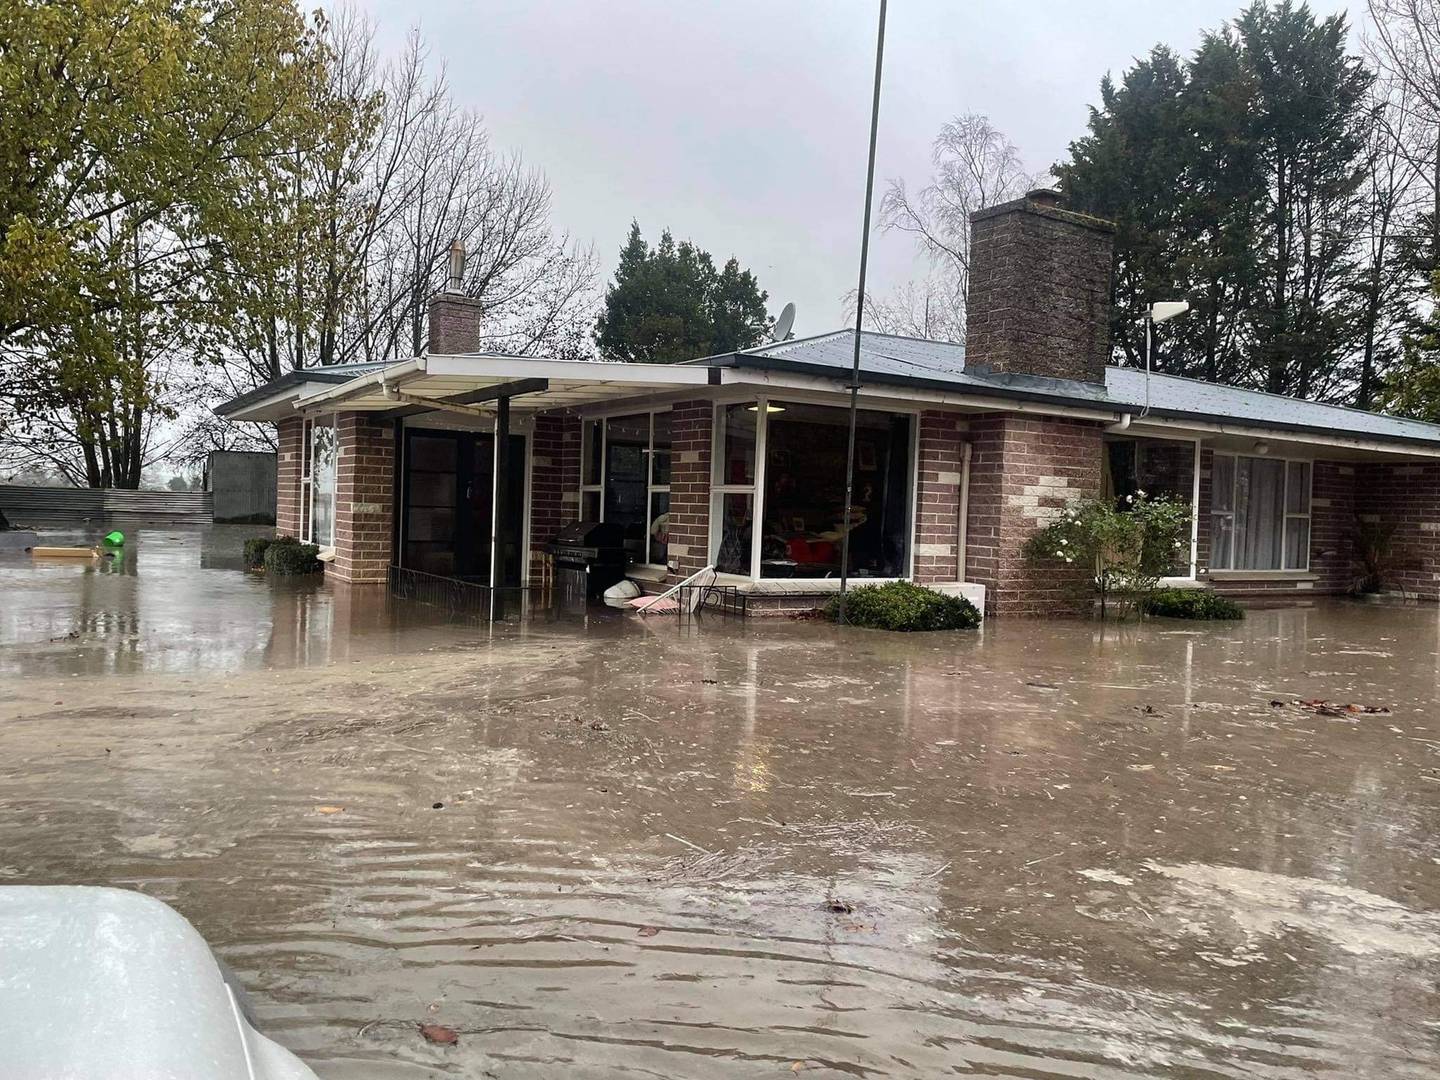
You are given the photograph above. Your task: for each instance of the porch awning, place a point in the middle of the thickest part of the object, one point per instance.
(475, 382)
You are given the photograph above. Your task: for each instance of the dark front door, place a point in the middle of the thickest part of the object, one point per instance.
(449, 505)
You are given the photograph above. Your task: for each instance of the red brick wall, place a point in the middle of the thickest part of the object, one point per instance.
(691, 425)
(1410, 494)
(937, 531)
(364, 499)
(554, 478)
(1023, 471)
(290, 434)
(1332, 525)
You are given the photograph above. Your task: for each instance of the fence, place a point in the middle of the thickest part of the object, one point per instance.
(25, 505)
(456, 596)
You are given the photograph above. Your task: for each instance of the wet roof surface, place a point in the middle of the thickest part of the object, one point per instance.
(748, 850)
(942, 364)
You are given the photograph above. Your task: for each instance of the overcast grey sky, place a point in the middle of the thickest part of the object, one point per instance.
(743, 124)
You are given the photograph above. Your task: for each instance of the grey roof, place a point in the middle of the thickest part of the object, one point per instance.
(333, 373)
(940, 365)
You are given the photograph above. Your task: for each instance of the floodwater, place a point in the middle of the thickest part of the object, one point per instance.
(616, 848)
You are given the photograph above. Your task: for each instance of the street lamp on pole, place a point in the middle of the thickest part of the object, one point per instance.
(1158, 312)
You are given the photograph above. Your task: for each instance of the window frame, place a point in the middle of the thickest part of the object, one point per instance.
(756, 488)
(307, 478)
(651, 487)
(1286, 515)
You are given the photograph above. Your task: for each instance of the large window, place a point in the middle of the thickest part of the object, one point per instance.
(625, 480)
(319, 473)
(1259, 513)
(789, 459)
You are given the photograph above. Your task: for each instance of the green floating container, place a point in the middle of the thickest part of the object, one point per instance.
(114, 539)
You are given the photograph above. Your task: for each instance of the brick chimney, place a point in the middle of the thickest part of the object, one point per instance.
(454, 318)
(1039, 296)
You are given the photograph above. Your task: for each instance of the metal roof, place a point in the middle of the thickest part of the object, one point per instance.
(885, 359)
(889, 358)
(547, 384)
(295, 380)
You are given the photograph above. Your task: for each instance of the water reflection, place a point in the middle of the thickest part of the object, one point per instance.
(768, 848)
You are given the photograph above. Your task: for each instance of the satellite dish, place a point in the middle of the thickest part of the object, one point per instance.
(783, 323)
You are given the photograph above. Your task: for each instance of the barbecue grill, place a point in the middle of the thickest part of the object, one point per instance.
(589, 558)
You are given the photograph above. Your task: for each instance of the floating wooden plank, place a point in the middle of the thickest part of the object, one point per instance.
(65, 553)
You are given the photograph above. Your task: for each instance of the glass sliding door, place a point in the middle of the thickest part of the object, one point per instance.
(432, 471)
(627, 440)
(448, 524)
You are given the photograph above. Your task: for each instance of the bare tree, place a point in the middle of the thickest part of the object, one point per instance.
(933, 308)
(443, 181)
(975, 166)
(376, 204)
(1404, 46)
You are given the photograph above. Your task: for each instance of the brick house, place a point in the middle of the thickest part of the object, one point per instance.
(737, 461)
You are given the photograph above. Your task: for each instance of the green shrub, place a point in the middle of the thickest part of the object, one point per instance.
(255, 551)
(1124, 547)
(899, 605)
(1192, 604)
(287, 555)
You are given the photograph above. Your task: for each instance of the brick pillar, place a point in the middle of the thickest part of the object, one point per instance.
(554, 478)
(937, 526)
(1332, 526)
(691, 424)
(1023, 471)
(364, 499)
(290, 436)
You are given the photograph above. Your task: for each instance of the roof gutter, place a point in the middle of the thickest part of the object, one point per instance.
(1011, 397)
(1291, 433)
(276, 388)
(1113, 411)
(393, 375)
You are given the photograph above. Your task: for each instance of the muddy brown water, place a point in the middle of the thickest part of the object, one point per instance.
(745, 850)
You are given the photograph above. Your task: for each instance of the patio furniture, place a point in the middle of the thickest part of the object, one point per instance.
(691, 594)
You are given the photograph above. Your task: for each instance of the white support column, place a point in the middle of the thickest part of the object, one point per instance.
(1195, 515)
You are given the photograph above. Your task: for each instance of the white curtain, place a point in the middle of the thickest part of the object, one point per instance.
(322, 485)
(1259, 513)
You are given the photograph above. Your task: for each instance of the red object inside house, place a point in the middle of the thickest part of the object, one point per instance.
(808, 551)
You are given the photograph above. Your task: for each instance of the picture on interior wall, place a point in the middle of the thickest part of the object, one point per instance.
(865, 457)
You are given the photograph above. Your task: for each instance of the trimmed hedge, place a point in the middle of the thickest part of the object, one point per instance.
(255, 551)
(900, 605)
(1192, 604)
(287, 555)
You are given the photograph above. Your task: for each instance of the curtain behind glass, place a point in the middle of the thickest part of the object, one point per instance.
(323, 450)
(1259, 513)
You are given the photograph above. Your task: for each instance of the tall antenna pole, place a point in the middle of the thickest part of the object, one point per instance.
(860, 318)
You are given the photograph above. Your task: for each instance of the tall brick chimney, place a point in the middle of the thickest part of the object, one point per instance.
(454, 318)
(1039, 296)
